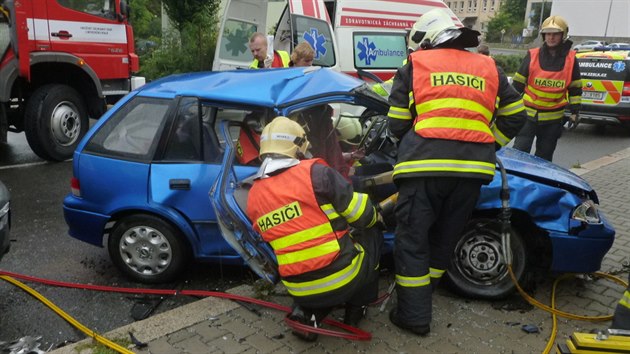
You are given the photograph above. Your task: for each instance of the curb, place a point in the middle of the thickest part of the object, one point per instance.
(601, 162)
(165, 323)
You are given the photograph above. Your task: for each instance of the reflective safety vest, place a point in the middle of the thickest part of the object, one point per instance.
(547, 90)
(280, 60)
(455, 93)
(247, 146)
(286, 213)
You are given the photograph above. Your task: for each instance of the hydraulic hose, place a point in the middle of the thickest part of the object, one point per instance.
(504, 217)
(350, 333)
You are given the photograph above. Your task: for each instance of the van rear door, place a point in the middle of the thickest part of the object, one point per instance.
(241, 18)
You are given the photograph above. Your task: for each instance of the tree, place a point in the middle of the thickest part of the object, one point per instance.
(509, 18)
(182, 12)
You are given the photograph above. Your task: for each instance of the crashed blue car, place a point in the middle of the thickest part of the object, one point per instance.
(156, 182)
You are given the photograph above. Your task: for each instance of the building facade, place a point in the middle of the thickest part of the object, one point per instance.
(475, 14)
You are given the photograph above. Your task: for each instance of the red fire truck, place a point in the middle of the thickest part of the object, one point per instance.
(62, 62)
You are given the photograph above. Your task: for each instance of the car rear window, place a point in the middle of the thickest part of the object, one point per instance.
(133, 131)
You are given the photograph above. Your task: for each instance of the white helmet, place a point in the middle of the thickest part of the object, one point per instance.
(349, 129)
(283, 137)
(433, 28)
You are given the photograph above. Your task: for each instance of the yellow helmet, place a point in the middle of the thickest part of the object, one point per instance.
(433, 28)
(555, 24)
(283, 137)
(349, 129)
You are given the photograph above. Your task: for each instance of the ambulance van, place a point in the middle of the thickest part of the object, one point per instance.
(605, 87)
(348, 35)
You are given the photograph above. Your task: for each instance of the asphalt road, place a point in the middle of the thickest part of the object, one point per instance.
(42, 248)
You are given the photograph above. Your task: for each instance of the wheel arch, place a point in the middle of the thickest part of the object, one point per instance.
(64, 68)
(536, 239)
(174, 219)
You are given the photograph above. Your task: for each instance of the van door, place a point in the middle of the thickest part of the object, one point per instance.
(241, 18)
(296, 21)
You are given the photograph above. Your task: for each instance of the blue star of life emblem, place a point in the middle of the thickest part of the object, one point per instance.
(619, 66)
(366, 51)
(316, 40)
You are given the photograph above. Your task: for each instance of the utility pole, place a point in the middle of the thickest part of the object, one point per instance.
(608, 19)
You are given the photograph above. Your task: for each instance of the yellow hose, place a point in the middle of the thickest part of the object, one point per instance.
(68, 318)
(555, 312)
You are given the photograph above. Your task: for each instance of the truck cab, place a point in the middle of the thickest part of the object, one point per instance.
(62, 62)
(348, 35)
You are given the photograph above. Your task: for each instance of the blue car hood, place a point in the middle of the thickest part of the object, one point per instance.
(265, 87)
(529, 166)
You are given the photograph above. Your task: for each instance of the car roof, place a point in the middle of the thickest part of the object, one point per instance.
(263, 87)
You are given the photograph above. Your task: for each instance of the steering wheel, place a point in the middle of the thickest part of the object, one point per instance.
(373, 137)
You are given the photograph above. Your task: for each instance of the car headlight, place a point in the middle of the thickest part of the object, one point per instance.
(587, 212)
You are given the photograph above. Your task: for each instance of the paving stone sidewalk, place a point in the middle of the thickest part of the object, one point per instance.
(459, 325)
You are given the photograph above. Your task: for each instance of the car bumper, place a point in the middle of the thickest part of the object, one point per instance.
(85, 226)
(593, 114)
(584, 252)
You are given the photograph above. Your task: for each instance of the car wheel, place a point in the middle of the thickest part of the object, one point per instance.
(55, 121)
(148, 249)
(478, 267)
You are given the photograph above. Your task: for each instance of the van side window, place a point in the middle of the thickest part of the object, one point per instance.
(317, 33)
(374, 50)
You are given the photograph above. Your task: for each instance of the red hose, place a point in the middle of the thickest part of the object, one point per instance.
(352, 333)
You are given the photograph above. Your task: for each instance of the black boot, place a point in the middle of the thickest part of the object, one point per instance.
(354, 314)
(309, 317)
(421, 330)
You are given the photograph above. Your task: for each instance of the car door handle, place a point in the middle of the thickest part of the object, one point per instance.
(61, 34)
(182, 184)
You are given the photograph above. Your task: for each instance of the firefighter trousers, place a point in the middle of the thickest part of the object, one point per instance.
(546, 134)
(431, 213)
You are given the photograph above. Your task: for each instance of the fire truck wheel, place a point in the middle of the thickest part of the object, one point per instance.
(55, 121)
(478, 267)
(148, 249)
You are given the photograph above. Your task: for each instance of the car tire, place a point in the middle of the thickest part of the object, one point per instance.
(148, 249)
(478, 268)
(55, 121)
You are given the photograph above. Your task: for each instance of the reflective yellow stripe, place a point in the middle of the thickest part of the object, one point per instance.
(546, 116)
(576, 83)
(374, 218)
(301, 236)
(308, 253)
(531, 111)
(575, 99)
(544, 104)
(511, 108)
(330, 211)
(453, 123)
(356, 208)
(625, 300)
(413, 282)
(399, 113)
(445, 166)
(411, 99)
(329, 283)
(519, 78)
(548, 95)
(450, 103)
(499, 137)
(436, 273)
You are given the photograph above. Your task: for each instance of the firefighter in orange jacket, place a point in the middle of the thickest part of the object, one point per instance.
(550, 79)
(451, 109)
(303, 209)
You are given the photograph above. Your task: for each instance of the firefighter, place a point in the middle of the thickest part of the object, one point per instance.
(303, 209)
(549, 77)
(258, 47)
(441, 108)
(621, 318)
